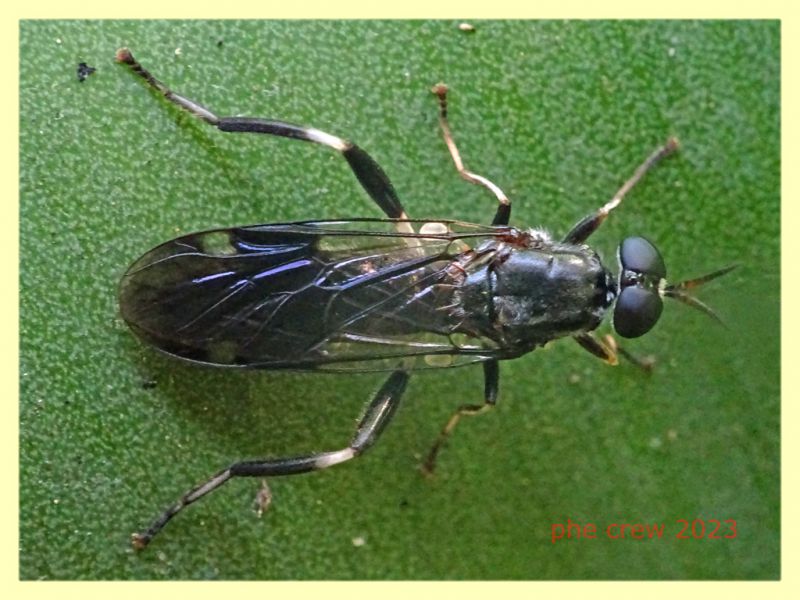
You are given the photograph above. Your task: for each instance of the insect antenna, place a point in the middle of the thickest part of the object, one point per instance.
(678, 292)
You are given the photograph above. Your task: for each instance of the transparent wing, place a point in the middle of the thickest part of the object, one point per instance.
(334, 295)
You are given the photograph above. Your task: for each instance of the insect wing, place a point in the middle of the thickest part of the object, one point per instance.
(335, 295)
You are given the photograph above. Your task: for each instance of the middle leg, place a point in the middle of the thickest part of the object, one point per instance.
(503, 213)
(491, 374)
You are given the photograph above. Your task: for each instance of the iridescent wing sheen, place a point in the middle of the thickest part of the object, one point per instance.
(331, 295)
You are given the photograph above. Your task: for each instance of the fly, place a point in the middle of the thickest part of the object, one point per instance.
(391, 295)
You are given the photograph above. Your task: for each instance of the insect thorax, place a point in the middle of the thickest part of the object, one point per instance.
(528, 296)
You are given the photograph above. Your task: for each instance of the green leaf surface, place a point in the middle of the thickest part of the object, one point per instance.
(558, 114)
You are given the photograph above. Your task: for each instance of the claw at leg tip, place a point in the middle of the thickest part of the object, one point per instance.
(124, 55)
(139, 541)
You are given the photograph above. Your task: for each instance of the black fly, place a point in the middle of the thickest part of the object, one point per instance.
(391, 295)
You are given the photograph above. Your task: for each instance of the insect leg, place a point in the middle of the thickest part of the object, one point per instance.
(589, 224)
(609, 350)
(600, 349)
(645, 363)
(503, 213)
(367, 171)
(491, 374)
(374, 420)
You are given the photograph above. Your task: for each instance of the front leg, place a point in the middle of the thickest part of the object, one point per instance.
(589, 224)
(608, 350)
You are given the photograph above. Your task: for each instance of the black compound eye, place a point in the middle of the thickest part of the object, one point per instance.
(637, 310)
(640, 256)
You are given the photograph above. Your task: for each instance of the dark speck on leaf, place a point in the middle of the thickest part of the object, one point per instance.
(84, 71)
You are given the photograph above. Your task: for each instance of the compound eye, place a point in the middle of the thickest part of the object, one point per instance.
(637, 310)
(640, 256)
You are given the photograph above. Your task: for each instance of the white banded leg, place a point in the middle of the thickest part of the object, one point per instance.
(374, 420)
(367, 171)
